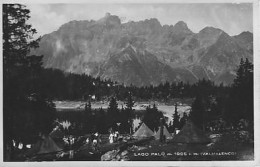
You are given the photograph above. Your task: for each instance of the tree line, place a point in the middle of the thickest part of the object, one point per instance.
(59, 85)
(236, 105)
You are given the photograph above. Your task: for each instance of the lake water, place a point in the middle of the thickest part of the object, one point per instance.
(167, 110)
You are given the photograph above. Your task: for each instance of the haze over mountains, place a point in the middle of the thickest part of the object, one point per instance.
(145, 52)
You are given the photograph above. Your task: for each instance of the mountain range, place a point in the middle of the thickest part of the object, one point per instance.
(144, 52)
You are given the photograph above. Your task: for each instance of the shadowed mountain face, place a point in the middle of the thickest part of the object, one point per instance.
(144, 52)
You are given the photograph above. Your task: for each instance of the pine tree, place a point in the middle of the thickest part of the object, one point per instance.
(176, 119)
(17, 36)
(88, 108)
(88, 118)
(129, 111)
(197, 113)
(183, 120)
(101, 121)
(240, 104)
(130, 102)
(25, 109)
(240, 74)
(152, 117)
(113, 112)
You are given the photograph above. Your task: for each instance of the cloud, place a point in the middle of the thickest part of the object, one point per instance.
(44, 19)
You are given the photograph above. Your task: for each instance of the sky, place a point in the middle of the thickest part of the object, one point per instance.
(233, 18)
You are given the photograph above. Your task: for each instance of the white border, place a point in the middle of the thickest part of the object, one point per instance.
(256, 32)
(126, 1)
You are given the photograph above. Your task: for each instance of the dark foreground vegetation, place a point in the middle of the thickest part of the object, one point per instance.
(29, 91)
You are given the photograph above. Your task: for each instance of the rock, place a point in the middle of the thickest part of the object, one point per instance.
(125, 158)
(141, 148)
(118, 157)
(124, 153)
(109, 156)
(210, 144)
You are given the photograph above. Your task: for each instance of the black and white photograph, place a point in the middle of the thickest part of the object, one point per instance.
(129, 81)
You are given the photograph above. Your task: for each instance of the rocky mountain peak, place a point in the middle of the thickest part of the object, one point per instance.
(181, 26)
(110, 20)
(210, 30)
(245, 40)
(245, 36)
(209, 35)
(153, 23)
(144, 52)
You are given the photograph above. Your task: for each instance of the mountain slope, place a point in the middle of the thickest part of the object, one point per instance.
(139, 67)
(144, 52)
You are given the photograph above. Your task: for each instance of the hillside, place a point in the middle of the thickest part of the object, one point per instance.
(144, 52)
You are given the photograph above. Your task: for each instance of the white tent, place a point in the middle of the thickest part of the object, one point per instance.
(143, 131)
(191, 134)
(43, 146)
(165, 132)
